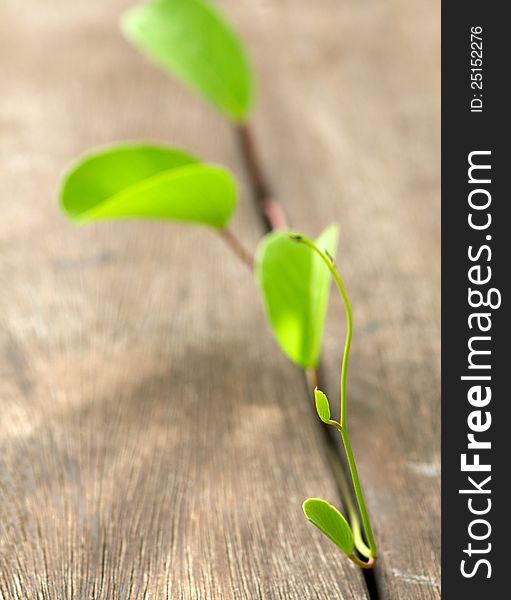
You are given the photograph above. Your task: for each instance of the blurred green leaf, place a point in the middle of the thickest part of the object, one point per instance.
(322, 406)
(330, 521)
(295, 284)
(193, 41)
(140, 180)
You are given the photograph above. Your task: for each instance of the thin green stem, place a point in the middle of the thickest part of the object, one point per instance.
(349, 322)
(358, 493)
(347, 343)
(346, 496)
(343, 430)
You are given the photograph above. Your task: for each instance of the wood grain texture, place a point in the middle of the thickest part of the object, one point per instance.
(153, 441)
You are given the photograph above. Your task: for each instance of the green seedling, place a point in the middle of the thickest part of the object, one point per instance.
(322, 514)
(190, 39)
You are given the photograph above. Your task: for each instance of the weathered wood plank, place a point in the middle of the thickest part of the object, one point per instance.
(154, 443)
(352, 135)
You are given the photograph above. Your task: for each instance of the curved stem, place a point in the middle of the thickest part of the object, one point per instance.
(363, 565)
(347, 346)
(349, 321)
(327, 259)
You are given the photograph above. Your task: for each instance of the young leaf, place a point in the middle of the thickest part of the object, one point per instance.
(330, 521)
(295, 284)
(322, 406)
(140, 180)
(192, 40)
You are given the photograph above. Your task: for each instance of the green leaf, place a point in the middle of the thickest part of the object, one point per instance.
(141, 180)
(192, 40)
(295, 284)
(330, 521)
(322, 406)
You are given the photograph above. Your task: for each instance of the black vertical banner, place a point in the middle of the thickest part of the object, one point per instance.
(476, 249)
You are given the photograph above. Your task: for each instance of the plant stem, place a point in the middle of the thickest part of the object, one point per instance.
(347, 347)
(237, 247)
(358, 493)
(343, 425)
(347, 498)
(270, 210)
(363, 565)
(349, 322)
(312, 378)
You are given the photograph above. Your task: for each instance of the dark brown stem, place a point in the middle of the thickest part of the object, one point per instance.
(312, 376)
(237, 247)
(269, 209)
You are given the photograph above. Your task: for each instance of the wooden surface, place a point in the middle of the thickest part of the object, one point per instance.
(154, 443)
